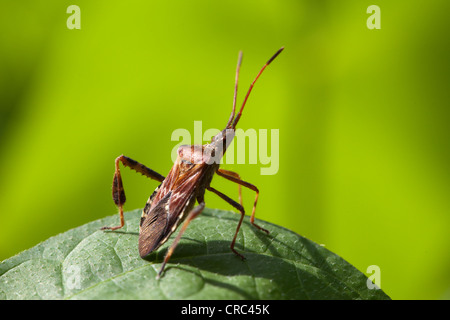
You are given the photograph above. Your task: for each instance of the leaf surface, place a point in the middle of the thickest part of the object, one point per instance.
(87, 263)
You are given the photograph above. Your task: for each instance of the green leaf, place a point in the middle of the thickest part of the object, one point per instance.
(87, 263)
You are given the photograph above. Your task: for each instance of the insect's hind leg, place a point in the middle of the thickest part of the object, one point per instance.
(118, 192)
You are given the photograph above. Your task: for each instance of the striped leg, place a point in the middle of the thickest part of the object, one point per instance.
(118, 193)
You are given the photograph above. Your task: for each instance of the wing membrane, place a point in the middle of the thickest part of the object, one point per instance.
(175, 197)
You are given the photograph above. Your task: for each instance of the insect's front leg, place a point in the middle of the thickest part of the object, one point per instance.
(233, 176)
(237, 176)
(118, 192)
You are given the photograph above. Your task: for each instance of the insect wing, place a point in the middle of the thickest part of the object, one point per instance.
(174, 198)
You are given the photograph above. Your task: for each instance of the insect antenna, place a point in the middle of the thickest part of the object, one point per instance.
(249, 90)
(235, 90)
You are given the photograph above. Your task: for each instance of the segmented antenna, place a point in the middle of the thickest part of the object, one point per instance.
(236, 120)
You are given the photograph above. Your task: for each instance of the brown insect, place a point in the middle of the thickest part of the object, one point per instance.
(173, 201)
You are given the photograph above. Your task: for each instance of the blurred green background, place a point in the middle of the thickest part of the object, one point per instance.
(363, 117)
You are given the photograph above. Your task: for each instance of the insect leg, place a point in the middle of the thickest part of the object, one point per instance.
(194, 213)
(118, 193)
(234, 177)
(237, 206)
